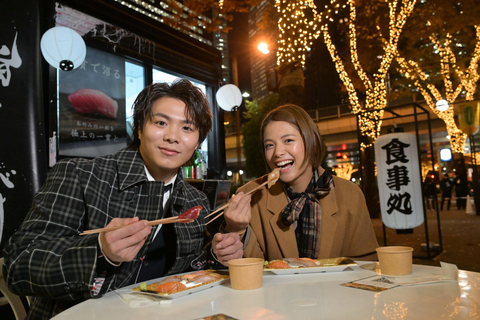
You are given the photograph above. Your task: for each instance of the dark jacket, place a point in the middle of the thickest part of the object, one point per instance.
(461, 185)
(446, 185)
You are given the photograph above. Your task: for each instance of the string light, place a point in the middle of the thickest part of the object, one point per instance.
(296, 30)
(468, 81)
(371, 113)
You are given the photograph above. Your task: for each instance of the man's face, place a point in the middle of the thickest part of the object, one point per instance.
(168, 139)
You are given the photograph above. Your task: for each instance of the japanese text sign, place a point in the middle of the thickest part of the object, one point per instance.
(399, 180)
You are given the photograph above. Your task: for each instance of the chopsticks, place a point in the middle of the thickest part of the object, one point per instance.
(271, 180)
(150, 223)
(226, 205)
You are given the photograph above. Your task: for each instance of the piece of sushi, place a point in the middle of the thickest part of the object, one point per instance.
(91, 101)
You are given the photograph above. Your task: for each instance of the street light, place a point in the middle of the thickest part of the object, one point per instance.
(263, 48)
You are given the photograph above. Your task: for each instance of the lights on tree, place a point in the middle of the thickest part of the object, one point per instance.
(371, 113)
(468, 83)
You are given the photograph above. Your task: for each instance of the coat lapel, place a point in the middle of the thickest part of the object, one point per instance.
(329, 209)
(131, 169)
(285, 236)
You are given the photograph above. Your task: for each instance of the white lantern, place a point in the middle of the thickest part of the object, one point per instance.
(399, 180)
(229, 97)
(63, 48)
(442, 105)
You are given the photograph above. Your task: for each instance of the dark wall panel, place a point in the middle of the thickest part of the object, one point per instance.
(23, 152)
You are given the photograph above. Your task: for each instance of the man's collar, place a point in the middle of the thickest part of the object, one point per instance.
(151, 178)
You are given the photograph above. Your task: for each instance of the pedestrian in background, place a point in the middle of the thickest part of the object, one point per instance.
(446, 185)
(461, 189)
(430, 192)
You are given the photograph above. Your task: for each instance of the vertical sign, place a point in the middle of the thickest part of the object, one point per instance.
(91, 116)
(399, 180)
(23, 156)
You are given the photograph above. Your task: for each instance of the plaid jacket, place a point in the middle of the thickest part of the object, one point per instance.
(46, 257)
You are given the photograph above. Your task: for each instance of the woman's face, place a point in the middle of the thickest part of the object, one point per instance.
(284, 148)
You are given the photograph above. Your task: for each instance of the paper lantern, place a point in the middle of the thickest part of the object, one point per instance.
(399, 180)
(63, 48)
(442, 105)
(229, 97)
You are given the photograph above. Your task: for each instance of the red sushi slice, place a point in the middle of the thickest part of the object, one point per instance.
(191, 213)
(91, 101)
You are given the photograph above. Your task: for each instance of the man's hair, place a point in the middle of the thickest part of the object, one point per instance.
(300, 119)
(197, 107)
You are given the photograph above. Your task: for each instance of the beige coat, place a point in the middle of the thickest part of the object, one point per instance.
(346, 228)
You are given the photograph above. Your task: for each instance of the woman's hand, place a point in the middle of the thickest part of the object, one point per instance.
(226, 247)
(238, 213)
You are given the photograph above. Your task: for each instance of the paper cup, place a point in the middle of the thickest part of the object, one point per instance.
(246, 274)
(395, 261)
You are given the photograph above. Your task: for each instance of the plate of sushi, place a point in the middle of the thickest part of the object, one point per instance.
(182, 285)
(306, 265)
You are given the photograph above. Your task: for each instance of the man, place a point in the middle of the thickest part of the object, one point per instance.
(461, 189)
(446, 185)
(430, 192)
(46, 258)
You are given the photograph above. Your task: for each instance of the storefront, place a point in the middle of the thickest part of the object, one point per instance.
(126, 50)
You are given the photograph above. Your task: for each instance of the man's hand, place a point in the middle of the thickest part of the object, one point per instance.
(123, 244)
(227, 247)
(238, 213)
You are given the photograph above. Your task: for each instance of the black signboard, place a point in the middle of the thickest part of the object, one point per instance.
(23, 156)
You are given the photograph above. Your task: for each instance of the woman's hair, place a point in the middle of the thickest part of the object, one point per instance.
(300, 119)
(196, 106)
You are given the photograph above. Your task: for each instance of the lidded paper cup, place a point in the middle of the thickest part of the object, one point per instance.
(395, 261)
(246, 273)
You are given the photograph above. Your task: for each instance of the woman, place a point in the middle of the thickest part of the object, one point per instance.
(308, 212)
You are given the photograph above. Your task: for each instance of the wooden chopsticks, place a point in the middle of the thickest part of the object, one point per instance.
(226, 205)
(150, 223)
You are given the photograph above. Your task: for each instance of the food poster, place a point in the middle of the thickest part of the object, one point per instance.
(91, 113)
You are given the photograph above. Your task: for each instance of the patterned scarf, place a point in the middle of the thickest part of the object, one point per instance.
(305, 209)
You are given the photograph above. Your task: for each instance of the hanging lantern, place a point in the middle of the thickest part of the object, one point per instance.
(229, 97)
(63, 48)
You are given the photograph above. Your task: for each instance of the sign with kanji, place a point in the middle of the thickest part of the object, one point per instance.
(399, 180)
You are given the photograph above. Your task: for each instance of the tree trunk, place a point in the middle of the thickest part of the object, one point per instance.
(370, 186)
(291, 85)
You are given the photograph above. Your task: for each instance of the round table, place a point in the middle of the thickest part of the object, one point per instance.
(305, 296)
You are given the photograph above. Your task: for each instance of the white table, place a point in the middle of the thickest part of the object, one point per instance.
(281, 297)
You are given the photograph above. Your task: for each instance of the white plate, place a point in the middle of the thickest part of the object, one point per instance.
(185, 292)
(328, 265)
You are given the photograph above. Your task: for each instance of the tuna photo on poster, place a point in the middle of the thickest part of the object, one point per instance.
(91, 113)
